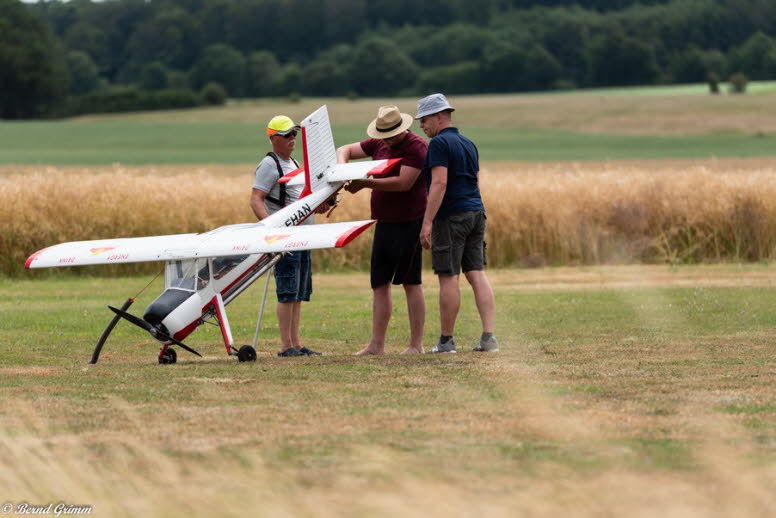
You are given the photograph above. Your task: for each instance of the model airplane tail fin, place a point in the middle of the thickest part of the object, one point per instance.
(319, 151)
(320, 158)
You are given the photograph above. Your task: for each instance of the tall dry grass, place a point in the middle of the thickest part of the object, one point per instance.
(561, 213)
(654, 212)
(126, 471)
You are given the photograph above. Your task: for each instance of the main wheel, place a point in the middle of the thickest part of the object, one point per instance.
(169, 356)
(246, 354)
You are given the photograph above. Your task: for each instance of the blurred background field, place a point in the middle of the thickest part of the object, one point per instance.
(584, 125)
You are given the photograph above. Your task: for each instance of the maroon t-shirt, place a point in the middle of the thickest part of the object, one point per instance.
(396, 207)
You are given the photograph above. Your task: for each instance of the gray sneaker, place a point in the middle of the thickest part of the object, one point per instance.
(449, 347)
(487, 346)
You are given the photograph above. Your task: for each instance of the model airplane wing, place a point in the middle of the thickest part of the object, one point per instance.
(250, 238)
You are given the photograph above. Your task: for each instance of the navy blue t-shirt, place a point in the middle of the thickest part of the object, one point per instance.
(459, 154)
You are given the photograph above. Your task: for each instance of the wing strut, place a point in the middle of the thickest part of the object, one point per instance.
(261, 310)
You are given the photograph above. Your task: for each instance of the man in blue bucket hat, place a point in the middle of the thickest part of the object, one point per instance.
(454, 222)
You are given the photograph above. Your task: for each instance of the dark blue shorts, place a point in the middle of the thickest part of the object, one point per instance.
(293, 277)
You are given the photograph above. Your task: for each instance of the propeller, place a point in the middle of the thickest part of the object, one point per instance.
(155, 331)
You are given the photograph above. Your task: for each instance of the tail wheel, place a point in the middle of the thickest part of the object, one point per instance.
(246, 354)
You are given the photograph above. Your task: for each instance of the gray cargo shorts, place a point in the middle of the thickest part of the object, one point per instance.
(458, 243)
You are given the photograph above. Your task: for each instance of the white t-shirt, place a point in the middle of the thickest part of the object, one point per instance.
(265, 179)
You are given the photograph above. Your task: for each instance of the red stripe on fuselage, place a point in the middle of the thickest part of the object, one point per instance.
(186, 331)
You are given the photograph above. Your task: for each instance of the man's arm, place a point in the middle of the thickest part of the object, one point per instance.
(436, 194)
(350, 152)
(257, 203)
(401, 183)
(347, 153)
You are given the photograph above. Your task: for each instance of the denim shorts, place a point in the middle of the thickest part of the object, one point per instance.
(293, 277)
(458, 243)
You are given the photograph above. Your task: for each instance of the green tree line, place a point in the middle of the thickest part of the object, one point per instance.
(63, 57)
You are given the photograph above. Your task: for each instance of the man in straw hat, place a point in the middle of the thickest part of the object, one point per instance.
(454, 222)
(293, 273)
(398, 203)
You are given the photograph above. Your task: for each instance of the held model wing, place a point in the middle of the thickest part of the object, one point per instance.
(346, 172)
(251, 238)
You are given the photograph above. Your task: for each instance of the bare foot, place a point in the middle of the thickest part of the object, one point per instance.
(413, 350)
(366, 351)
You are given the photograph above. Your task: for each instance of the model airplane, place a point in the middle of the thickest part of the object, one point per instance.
(205, 272)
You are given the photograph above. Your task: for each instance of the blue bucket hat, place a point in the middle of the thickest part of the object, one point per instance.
(432, 104)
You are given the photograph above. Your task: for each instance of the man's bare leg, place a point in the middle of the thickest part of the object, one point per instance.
(416, 309)
(483, 297)
(381, 315)
(296, 318)
(285, 322)
(449, 303)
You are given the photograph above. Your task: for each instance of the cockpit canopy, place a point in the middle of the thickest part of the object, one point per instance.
(187, 274)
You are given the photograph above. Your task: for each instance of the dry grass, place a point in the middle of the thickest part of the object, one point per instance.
(590, 112)
(122, 475)
(559, 214)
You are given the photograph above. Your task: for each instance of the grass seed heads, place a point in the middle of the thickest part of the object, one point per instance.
(538, 214)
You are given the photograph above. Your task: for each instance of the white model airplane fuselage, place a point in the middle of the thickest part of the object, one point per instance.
(205, 272)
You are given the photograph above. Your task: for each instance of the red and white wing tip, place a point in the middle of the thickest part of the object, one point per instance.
(384, 168)
(352, 233)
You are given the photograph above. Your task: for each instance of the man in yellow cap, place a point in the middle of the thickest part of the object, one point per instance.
(398, 203)
(293, 274)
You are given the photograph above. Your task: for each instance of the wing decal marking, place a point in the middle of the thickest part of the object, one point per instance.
(101, 249)
(275, 238)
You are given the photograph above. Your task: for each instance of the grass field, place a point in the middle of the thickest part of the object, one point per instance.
(619, 391)
(586, 125)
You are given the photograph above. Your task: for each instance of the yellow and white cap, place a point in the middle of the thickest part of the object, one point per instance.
(281, 125)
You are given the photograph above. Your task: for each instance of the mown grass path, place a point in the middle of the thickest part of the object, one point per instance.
(647, 389)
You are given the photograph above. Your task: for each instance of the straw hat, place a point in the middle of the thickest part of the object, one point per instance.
(389, 123)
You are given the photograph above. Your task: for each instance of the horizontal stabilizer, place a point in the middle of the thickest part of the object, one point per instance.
(361, 170)
(293, 174)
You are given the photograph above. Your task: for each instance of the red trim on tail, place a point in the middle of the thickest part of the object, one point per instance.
(352, 234)
(307, 182)
(376, 171)
(288, 176)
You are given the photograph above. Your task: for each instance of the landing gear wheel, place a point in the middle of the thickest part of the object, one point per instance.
(246, 354)
(169, 357)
